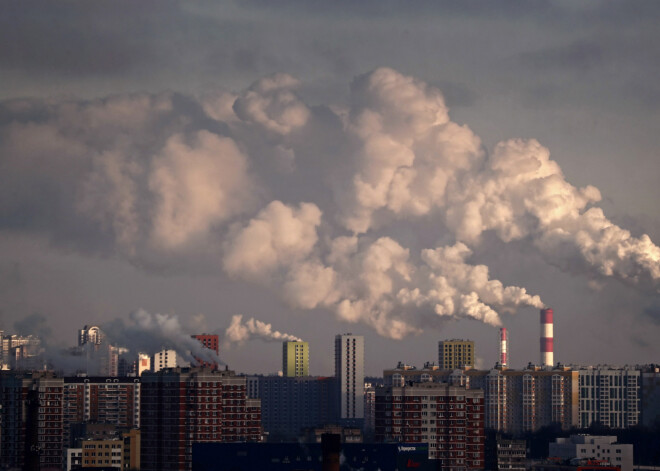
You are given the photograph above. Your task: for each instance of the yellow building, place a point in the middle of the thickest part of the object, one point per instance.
(102, 453)
(121, 452)
(455, 354)
(131, 452)
(295, 359)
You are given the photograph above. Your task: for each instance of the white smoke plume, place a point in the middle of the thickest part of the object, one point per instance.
(259, 186)
(278, 235)
(153, 332)
(377, 284)
(240, 332)
(411, 160)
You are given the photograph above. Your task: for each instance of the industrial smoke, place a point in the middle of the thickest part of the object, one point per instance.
(261, 187)
(239, 332)
(150, 333)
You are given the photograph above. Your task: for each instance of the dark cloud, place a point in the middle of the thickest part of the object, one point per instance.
(652, 312)
(78, 38)
(457, 94)
(34, 324)
(11, 277)
(374, 10)
(576, 55)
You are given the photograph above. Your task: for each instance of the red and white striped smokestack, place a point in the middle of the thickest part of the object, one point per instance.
(546, 338)
(503, 351)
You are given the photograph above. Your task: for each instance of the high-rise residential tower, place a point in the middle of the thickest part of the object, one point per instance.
(90, 334)
(454, 354)
(295, 359)
(182, 406)
(610, 396)
(406, 414)
(349, 374)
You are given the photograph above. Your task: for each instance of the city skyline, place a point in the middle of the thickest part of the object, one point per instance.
(424, 175)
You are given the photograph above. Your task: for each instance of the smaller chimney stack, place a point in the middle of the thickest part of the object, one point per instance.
(503, 347)
(547, 338)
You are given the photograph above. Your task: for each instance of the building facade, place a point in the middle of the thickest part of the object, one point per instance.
(90, 334)
(511, 455)
(599, 448)
(143, 363)
(516, 401)
(182, 406)
(349, 373)
(167, 359)
(102, 453)
(650, 395)
(21, 352)
(455, 353)
(369, 407)
(100, 400)
(610, 396)
(295, 359)
(39, 410)
(449, 418)
(291, 404)
(122, 451)
(211, 342)
(32, 420)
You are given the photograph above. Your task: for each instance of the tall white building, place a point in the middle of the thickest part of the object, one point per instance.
(349, 373)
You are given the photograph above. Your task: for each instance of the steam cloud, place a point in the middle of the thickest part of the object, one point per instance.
(244, 183)
(153, 332)
(239, 332)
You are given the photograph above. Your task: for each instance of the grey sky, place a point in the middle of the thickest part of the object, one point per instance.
(580, 77)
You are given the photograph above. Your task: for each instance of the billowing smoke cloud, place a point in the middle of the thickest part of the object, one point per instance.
(240, 332)
(278, 236)
(152, 332)
(231, 182)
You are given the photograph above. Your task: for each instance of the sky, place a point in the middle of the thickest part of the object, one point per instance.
(409, 172)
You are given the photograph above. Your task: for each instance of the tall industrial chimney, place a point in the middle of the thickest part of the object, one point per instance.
(546, 338)
(503, 351)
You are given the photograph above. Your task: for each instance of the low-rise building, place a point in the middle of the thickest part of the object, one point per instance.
(592, 447)
(103, 453)
(511, 454)
(73, 458)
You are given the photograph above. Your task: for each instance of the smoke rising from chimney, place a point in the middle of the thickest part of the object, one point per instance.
(240, 332)
(201, 188)
(152, 332)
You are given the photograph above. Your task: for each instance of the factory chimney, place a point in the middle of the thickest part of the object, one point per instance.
(546, 338)
(503, 349)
